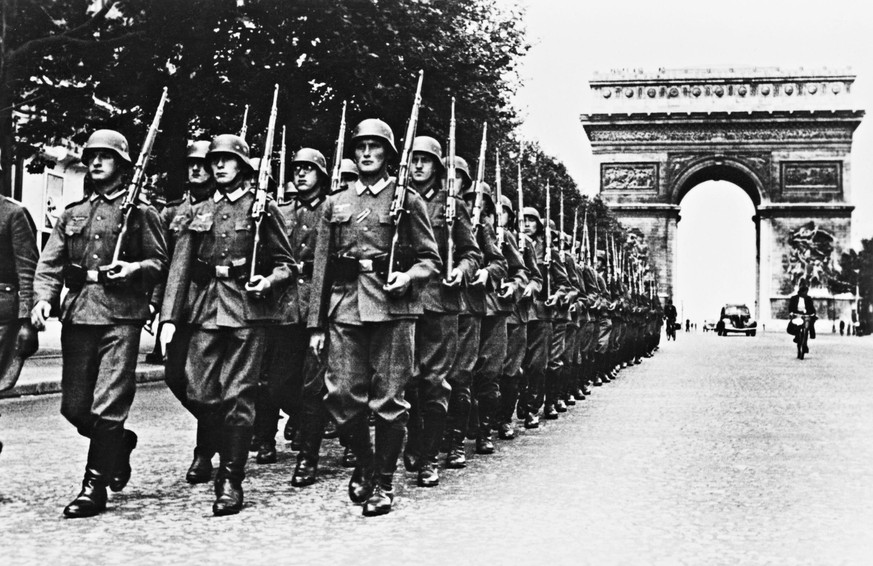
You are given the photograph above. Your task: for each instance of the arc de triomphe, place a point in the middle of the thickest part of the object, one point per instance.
(784, 137)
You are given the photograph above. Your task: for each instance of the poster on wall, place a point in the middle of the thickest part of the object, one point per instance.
(53, 202)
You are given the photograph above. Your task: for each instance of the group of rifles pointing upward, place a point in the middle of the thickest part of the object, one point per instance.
(421, 305)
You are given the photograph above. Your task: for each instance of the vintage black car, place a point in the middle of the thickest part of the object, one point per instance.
(736, 319)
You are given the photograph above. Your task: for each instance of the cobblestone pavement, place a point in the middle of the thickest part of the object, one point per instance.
(716, 451)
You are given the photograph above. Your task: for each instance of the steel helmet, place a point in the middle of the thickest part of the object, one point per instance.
(486, 191)
(530, 211)
(108, 139)
(229, 143)
(506, 203)
(198, 150)
(313, 157)
(347, 166)
(428, 145)
(375, 128)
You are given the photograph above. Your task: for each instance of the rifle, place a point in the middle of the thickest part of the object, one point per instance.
(259, 207)
(547, 253)
(136, 182)
(397, 205)
(336, 176)
(586, 242)
(575, 231)
(245, 125)
(561, 225)
(452, 190)
(498, 196)
(280, 186)
(480, 178)
(520, 215)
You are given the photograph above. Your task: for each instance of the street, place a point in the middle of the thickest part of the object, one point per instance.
(715, 451)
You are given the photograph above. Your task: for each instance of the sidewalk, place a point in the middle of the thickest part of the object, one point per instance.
(42, 372)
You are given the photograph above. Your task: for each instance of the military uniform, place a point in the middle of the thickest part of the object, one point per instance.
(436, 331)
(370, 343)
(207, 290)
(102, 319)
(18, 257)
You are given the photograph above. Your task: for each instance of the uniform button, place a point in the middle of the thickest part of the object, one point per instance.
(223, 254)
(99, 218)
(224, 235)
(305, 227)
(95, 256)
(97, 236)
(299, 281)
(365, 228)
(224, 216)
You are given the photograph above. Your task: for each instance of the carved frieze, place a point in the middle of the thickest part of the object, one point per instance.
(812, 176)
(679, 163)
(715, 133)
(629, 177)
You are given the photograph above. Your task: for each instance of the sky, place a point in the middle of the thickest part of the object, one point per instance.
(573, 39)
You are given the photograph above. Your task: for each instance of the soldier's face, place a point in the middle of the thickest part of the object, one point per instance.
(226, 167)
(102, 165)
(530, 227)
(423, 167)
(305, 177)
(504, 217)
(198, 172)
(370, 156)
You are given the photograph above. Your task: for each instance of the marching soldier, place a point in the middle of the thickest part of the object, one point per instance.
(492, 268)
(208, 289)
(539, 329)
(296, 377)
(499, 302)
(436, 332)
(103, 313)
(174, 217)
(348, 173)
(516, 324)
(369, 309)
(18, 257)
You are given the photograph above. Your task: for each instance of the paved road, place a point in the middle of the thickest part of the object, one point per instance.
(716, 451)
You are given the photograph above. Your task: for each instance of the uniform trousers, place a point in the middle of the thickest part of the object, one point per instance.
(604, 329)
(176, 357)
(436, 347)
(460, 377)
(539, 339)
(369, 366)
(492, 355)
(98, 380)
(555, 365)
(8, 339)
(510, 379)
(223, 368)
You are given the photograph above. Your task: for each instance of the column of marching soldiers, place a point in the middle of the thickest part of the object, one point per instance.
(426, 306)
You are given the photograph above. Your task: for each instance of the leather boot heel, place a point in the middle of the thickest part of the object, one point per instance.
(382, 499)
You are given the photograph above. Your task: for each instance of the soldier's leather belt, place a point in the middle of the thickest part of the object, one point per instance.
(304, 269)
(203, 272)
(9, 287)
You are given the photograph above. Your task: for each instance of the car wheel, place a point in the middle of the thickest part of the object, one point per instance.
(753, 332)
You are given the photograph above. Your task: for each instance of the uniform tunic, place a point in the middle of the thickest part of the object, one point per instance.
(101, 323)
(228, 336)
(18, 257)
(370, 356)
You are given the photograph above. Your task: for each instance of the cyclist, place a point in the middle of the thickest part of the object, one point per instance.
(799, 305)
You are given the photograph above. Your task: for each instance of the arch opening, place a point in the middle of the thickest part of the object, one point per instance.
(716, 256)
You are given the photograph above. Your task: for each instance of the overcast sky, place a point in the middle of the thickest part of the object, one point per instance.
(572, 39)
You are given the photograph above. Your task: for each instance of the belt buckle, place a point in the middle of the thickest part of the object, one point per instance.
(222, 271)
(92, 276)
(365, 265)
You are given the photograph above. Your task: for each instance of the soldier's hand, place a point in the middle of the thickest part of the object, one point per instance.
(316, 342)
(397, 284)
(152, 323)
(258, 286)
(481, 278)
(553, 300)
(40, 314)
(529, 290)
(455, 278)
(168, 330)
(27, 342)
(507, 289)
(121, 270)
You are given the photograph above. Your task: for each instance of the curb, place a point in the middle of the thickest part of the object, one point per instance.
(147, 374)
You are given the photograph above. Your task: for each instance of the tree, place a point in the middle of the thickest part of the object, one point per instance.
(216, 57)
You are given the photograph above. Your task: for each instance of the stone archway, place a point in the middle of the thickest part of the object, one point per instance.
(785, 138)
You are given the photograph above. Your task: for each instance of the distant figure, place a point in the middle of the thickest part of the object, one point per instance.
(687, 325)
(801, 304)
(670, 314)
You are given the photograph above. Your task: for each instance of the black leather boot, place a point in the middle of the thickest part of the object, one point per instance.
(125, 443)
(389, 442)
(92, 499)
(434, 425)
(311, 434)
(232, 470)
(484, 440)
(549, 411)
(457, 456)
(356, 436)
(200, 470)
(412, 453)
(472, 420)
(349, 460)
